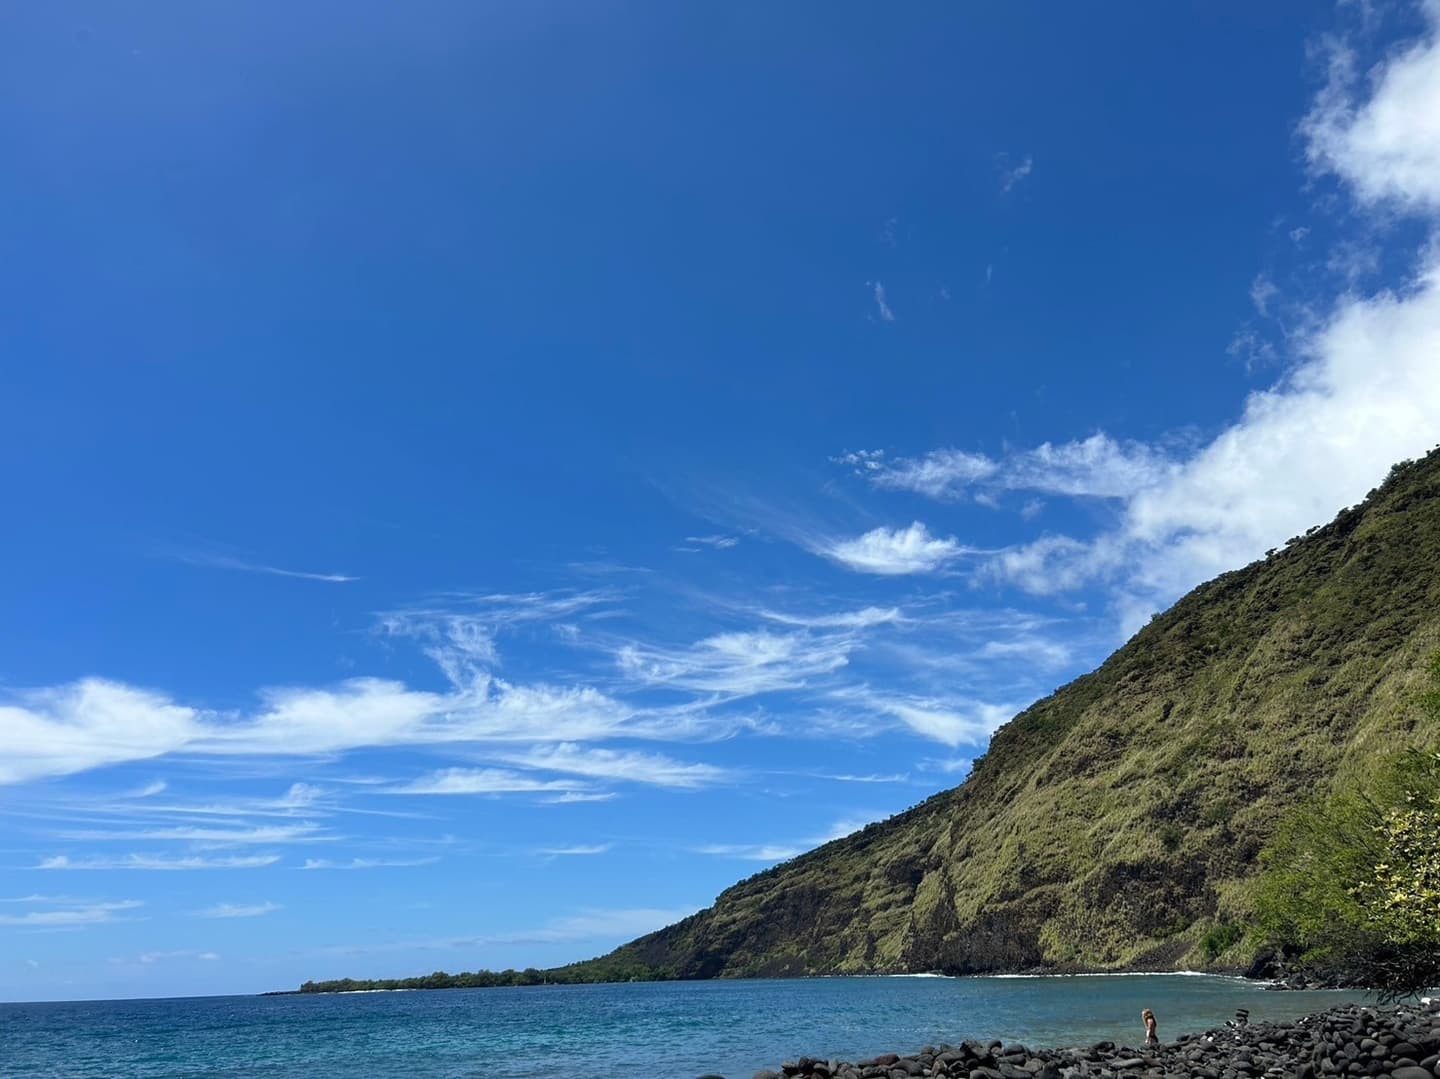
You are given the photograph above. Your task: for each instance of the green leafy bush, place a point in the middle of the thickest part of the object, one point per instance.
(1352, 884)
(1219, 939)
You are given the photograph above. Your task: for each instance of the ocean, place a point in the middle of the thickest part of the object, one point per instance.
(674, 1030)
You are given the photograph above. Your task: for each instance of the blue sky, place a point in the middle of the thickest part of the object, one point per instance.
(481, 479)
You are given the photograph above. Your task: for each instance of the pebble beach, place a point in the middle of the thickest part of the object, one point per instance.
(1347, 1042)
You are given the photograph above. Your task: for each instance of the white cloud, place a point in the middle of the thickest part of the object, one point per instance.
(631, 767)
(93, 722)
(1262, 292)
(948, 765)
(1054, 564)
(783, 851)
(951, 722)
(379, 712)
(898, 777)
(1038, 651)
(154, 862)
(151, 958)
(218, 837)
(1249, 346)
(368, 863)
(238, 910)
(574, 797)
(895, 551)
(590, 924)
(719, 542)
(85, 725)
(68, 914)
(481, 781)
(737, 664)
(752, 852)
(461, 637)
(218, 561)
(847, 826)
(1387, 147)
(1094, 467)
(1011, 175)
(300, 796)
(861, 461)
(579, 850)
(881, 307)
(938, 474)
(863, 618)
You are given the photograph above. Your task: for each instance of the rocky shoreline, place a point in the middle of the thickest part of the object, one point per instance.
(1349, 1042)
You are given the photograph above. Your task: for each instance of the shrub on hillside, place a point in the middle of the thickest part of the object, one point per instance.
(1352, 884)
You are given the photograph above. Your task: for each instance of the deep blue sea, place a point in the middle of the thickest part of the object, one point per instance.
(676, 1030)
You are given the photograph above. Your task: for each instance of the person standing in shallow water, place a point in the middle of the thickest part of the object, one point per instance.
(1151, 1037)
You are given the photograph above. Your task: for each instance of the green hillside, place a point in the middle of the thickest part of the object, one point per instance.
(1116, 823)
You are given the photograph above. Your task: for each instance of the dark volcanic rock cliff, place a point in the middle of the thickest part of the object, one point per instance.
(1117, 822)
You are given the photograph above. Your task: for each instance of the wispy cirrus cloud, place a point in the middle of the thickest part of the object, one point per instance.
(864, 618)
(894, 777)
(580, 850)
(737, 664)
(882, 307)
(460, 637)
(752, 852)
(619, 765)
(948, 765)
(626, 922)
(580, 797)
(368, 863)
(950, 721)
(212, 560)
(158, 862)
(1011, 174)
(1094, 467)
(784, 851)
(65, 913)
(481, 781)
(718, 542)
(238, 910)
(147, 959)
(588, 924)
(214, 837)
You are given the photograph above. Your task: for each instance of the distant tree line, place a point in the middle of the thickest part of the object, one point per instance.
(586, 973)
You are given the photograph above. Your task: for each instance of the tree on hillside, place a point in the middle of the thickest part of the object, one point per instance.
(1353, 884)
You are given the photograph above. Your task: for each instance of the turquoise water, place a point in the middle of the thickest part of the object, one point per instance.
(645, 1030)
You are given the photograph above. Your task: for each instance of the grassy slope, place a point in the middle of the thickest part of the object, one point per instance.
(1114, 822)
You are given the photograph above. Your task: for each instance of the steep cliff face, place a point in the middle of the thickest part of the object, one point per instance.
(1117, 822)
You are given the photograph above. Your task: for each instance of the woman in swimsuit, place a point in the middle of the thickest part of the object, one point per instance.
(1151, 1038)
